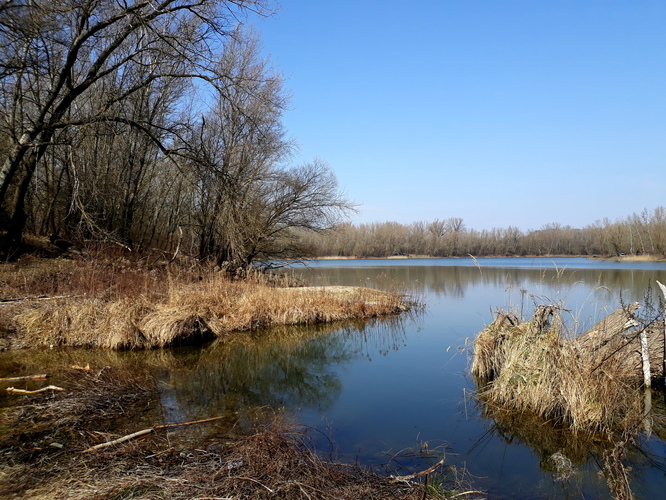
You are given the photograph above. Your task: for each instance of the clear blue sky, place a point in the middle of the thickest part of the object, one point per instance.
(502, 112)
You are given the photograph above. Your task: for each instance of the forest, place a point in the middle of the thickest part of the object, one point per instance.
(152, 125)
(641, 234)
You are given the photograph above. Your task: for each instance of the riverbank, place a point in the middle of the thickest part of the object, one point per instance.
(123, 304)
(53, 446)
(50, 427)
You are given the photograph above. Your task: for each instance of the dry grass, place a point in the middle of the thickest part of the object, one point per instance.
(122, 304)
(530, 367)
(570, 398)
(640, 258)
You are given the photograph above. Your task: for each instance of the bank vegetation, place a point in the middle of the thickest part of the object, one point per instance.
(118, 303)
(101, 436)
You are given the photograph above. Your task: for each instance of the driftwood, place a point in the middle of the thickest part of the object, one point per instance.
(25, 377)
(419, 474)
(12, 390)
(119, 440)
(144, 432)
(639, 347)
(609, 328)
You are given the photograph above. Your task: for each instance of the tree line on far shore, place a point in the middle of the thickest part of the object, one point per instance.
(637, 234)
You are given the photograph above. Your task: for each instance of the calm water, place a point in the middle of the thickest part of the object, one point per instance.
(385, 392)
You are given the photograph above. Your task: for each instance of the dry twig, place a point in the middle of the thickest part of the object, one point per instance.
(25, 377)
(119, 440)
(12, 390)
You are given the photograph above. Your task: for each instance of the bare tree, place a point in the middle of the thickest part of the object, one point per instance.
(56, 55)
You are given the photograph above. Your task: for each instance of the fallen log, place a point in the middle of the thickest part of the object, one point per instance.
(610, 327)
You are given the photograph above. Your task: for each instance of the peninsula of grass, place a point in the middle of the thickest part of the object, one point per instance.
(127, 304)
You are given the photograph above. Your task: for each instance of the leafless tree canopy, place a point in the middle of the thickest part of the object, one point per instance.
(638, 234)
(155, 123)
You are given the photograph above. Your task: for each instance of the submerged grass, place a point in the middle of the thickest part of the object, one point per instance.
(122, 304)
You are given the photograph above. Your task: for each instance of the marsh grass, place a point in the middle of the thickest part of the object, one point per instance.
(568, 398)
(531, 367)
(123, 304)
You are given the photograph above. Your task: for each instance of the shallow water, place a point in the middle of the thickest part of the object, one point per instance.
(389, 392)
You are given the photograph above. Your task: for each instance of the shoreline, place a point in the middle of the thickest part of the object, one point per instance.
(625, 258)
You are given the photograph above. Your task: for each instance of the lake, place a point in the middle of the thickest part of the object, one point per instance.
(405, 384)
(396, 393)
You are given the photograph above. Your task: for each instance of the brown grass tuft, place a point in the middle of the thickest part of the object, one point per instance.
(531, 367)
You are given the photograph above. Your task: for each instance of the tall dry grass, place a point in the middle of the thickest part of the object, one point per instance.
(531, 367)
(125, 305)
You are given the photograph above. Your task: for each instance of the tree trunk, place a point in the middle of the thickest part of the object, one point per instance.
(663, 290)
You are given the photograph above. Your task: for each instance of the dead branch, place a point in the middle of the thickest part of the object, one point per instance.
(418, 474)
(25, 377)
(166, 426)
(146, 431)
(12, 390)
(119, 440)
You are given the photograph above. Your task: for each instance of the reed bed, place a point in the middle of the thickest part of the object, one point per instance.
(127, 305)
(532, 367)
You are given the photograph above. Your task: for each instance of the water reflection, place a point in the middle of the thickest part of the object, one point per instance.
(287, 367)
(458, 281)
(576, 463)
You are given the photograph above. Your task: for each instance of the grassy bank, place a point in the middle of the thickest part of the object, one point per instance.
(123, 304)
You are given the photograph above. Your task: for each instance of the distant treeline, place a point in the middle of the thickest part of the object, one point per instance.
(638, 234)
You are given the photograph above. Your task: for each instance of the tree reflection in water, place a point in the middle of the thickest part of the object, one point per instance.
(283, 367)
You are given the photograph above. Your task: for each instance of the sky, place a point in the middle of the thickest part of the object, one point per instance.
(500, 112)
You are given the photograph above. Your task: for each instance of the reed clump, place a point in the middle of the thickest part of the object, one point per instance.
(534, 367)
(127, 305)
